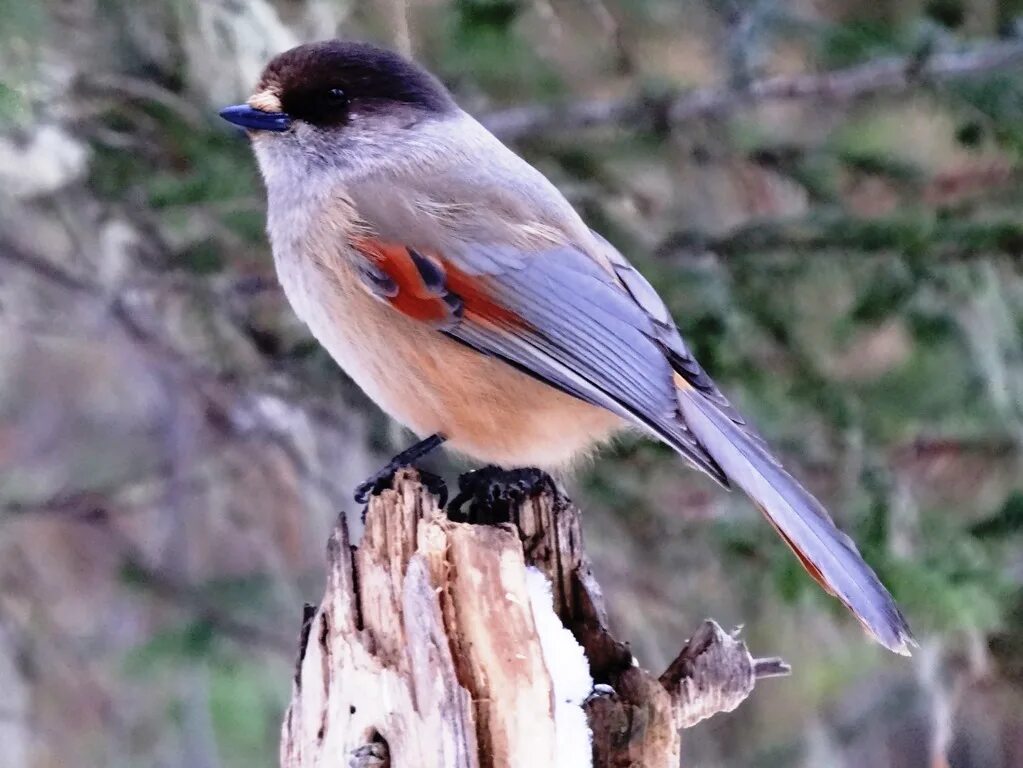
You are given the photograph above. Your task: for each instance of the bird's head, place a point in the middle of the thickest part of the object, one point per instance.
(338, 106)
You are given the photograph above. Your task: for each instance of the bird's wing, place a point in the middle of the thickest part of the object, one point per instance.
(552, 312)
(579, 317)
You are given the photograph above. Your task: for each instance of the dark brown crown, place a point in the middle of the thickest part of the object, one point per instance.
(319, 82)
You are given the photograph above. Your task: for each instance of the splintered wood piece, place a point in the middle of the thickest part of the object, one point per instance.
(497, 649)
(550, 529)
(375, 675)
(714, 673)
(388, 542)
(433, 671)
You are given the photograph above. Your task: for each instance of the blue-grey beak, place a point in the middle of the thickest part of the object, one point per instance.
(245, 116)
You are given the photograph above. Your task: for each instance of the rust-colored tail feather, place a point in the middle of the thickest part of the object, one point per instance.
(829, 555)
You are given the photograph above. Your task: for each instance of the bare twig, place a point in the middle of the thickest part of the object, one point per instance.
(884, 76)
(838, 232)
(146, 90)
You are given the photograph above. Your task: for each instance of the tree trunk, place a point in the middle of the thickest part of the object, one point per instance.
(449, 644)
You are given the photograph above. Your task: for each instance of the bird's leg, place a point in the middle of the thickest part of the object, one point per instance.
(380, 480)
(492, 493)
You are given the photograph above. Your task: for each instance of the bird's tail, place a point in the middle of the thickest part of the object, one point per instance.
(829, 555)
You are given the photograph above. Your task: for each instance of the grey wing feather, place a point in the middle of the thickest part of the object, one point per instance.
(586, 335)
(682, 360)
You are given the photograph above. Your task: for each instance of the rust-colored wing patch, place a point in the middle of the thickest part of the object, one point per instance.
(414, 283)
(427, 288)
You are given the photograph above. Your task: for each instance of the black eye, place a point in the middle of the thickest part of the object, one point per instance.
(316, 104)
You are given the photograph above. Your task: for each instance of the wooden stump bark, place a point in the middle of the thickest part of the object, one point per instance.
(443, 643)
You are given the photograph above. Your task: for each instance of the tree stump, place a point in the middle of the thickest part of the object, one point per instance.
(480, 640)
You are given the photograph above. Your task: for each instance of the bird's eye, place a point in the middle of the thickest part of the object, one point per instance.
(317, 105)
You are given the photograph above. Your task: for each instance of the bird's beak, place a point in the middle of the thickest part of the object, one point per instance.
(245, 116)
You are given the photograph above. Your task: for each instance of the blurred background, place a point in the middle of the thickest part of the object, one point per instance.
(827, 192)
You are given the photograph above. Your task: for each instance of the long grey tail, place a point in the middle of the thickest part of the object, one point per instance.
(829, 555)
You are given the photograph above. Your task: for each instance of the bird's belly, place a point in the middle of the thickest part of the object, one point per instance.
(487, 409)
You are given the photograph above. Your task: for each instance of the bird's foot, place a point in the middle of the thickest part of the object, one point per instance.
(491, 493)
(375, 483)
(384, 479)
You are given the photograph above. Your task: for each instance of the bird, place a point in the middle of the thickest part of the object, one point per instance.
(458, 288)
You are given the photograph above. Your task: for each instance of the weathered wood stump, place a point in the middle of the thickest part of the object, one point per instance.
(448, 644)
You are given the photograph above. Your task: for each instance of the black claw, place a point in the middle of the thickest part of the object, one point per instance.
(493, 493)
(435, 484)
(374, 484)
(383, 479)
